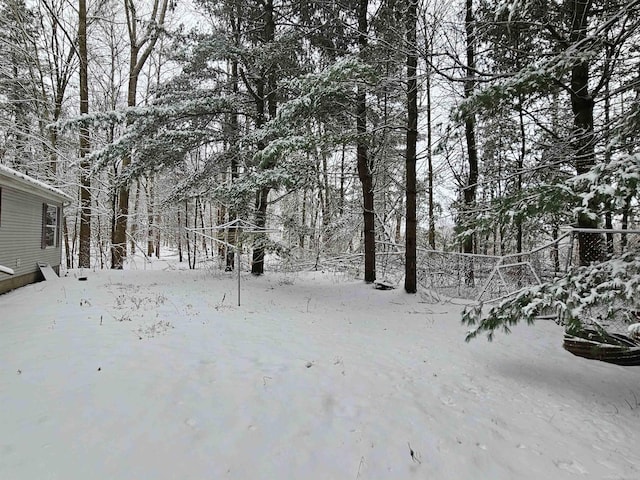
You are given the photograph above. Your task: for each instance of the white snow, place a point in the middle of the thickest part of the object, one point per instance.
(634, 330)
(157, 374)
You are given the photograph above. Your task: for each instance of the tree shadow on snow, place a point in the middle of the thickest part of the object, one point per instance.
(574, 377)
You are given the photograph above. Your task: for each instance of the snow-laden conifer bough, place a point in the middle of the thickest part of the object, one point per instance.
(597, 303)
(634, 330)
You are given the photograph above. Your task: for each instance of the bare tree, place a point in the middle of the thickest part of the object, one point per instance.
(141, 46)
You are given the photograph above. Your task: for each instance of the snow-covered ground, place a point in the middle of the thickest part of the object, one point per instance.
(158, 374)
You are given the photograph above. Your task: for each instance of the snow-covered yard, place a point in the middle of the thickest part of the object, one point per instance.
(157, 374)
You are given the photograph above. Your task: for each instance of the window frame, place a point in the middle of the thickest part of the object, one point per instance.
(50, 226)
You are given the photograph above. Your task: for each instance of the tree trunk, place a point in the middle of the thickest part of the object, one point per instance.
(84, 251)
(257, 264)
(268, 97)
(326, 207)
(608, 218)
(469, 191)
(157, 234)
(119, 236)
(179, 238)
(186, 232)
(470, 123)
(303, 220)
(133, 216)
(410, 281)
(67, 246)
(520, 166)
(234, 129)
(590, 244)
(196, 207)
(151, 234)
(432, 220)
(200, 212)
(341, 206)
(364, 164)
(624, 223)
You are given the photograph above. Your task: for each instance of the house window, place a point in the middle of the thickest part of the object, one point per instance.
(50, 225)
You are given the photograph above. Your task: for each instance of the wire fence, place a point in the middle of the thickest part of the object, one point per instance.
(444, 276)
(489, 278)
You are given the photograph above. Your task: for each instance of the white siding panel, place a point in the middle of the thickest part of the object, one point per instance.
(21, 233)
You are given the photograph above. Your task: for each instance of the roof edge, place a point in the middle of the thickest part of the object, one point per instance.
(29, 184)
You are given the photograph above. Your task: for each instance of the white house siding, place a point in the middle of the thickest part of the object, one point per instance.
(21, 233)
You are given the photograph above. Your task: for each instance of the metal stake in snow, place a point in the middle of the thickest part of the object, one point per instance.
(241, 228)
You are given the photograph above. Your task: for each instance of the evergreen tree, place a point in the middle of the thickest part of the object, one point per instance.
(410, 282)
(575, 60)
(20, 79)
(587, 47)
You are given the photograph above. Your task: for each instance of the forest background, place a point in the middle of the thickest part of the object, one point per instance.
(355, 126)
